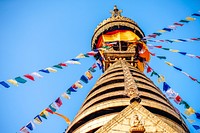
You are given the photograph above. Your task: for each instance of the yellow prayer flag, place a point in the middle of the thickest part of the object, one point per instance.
(190, 18)
(161, 31)
(168, 63)
(174, 50)
(190, 121)
(176, 40)
(161, 79)
(89, 75)
(51, 69)
(81, 55)
(64, 117)
(37, 121)
(189, 111)
(12, 81)
(65, 95)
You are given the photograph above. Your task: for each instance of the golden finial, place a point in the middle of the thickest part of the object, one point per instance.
(116, 12)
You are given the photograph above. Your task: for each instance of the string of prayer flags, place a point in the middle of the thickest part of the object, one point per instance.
(175, 40)
(171, 94)
(171, 27)
(171, 50)
(53, 107)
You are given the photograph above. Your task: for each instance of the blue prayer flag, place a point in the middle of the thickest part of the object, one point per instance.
(177, 68)
(84, 79)
(165, 86)
(196, 127)
(4, 84)
(44, 70)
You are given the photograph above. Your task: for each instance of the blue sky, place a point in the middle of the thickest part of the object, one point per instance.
(39, 34)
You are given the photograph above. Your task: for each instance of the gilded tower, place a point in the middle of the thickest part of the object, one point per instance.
(124, 100)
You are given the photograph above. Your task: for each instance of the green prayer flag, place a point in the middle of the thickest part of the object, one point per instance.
(186, 105)
(161, 57)
(184, 21)
(165, 48)
(154, 73)
(20, 80)
(58, 66)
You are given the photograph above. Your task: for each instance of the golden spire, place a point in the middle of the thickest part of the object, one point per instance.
(116, 12)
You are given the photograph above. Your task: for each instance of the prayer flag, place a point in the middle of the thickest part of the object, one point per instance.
(51, 69)
(191, 55)
(149, 69)
(92, 69)
(53, 107)
(186, 105)
(196, 14)
(184, 21)
(177, 68)
(197, 115)
(177, 99)
(63, 64)
(84, 79)
(78, 84)
(179, 24)
(169, 64)
(24, 130)
(171, 41)
(161, 57)
(44, 114)
(20, 80)
(192, 78)
(30, 126)
(172, 27)
(154, 73)
(58, 102)
(29, 76)
(14, 82)
(153, 54)
(167, 29)
(37, 120)
(74, 86)
(174, 50)
(80, 56)
(185, 73)
(189, 111)
(191, 121)
(92, 53)
(161, 78)
(74, 59)
(88, 75)
(72, 62)
(4, 84)
(65, 95)
(152, 35)
(71, 89)
(190, 18)
(161, 31)
(171, 93)
(58, 66)
(158, 34)
(36, 75)
(183, 53)
(196, 127)
(166, 86)
(94, 65)
(158, 46)
(99, 64)
(182, 40)
(68, 91)
(165, 48)
(49, 110)
(44, 70)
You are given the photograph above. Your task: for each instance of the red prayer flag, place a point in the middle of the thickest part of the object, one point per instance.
(153, 54)
(177, 99)
(193, 78)
(179, 24)
(149, 69)
(62, 64)
(58, 102)
(152, 35)
(158, 46)
(49, 110)
(94, 65)
(74, 86)
(92, 53)
(198, 57)
(29, 76)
